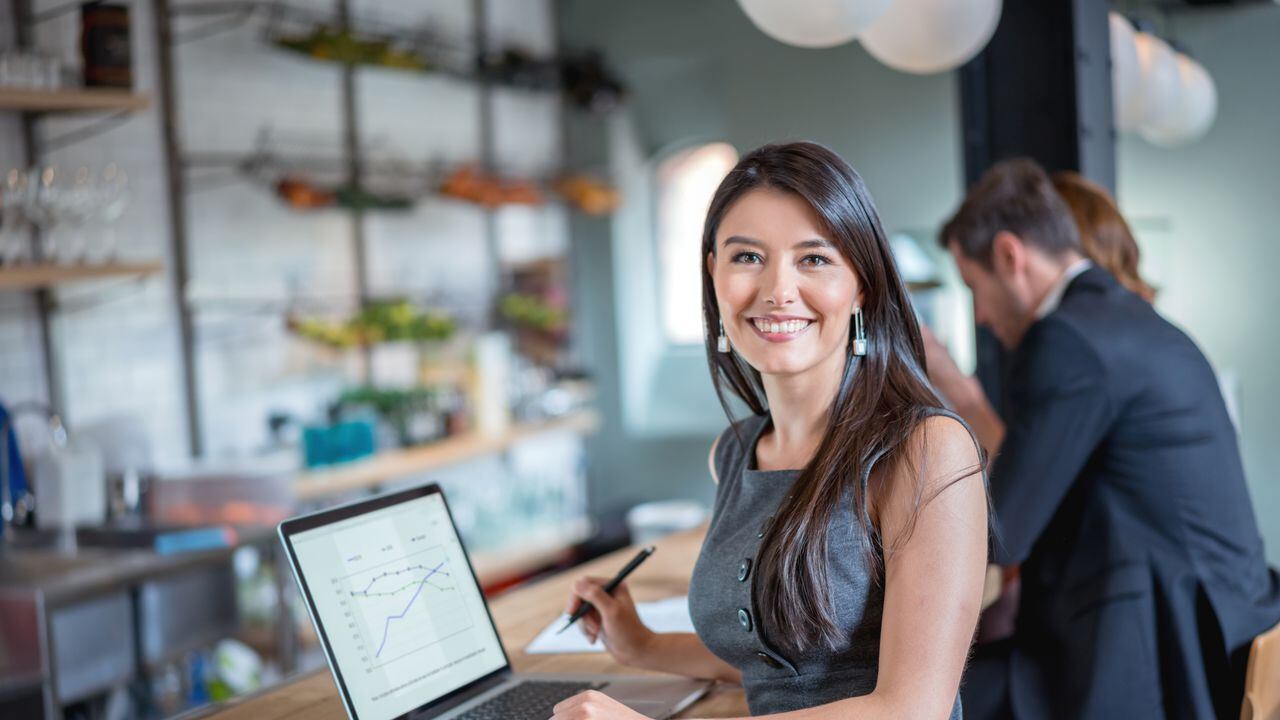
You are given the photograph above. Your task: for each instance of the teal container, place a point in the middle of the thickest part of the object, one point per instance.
(341, 442)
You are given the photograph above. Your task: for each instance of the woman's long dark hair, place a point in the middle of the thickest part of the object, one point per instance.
(881, 399)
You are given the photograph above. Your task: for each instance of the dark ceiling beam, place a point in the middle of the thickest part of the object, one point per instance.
(1042, 89)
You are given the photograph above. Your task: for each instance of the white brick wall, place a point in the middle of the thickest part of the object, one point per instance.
(121, 356)
(116, 342)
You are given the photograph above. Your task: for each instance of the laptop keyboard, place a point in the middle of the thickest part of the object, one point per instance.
(529, 700)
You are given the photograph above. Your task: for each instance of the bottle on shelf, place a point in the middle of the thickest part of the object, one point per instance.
(105, 45)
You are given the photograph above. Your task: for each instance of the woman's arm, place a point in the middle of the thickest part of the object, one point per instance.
(934, 570)
(631, 643)
(614, 619)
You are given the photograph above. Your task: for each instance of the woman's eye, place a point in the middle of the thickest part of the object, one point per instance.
(815, 260)
(748, 258)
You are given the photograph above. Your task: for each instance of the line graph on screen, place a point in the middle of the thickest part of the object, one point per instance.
(405, 605)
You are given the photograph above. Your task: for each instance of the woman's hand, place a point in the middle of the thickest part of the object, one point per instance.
(613, 619)
(594, 705)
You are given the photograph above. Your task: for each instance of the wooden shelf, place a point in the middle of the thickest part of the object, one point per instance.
(30, 277)
(77, 100)
(388, 466)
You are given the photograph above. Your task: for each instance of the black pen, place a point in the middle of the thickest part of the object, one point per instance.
(609, 587)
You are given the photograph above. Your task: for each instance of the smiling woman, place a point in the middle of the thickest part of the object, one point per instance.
(791, 237)
(842, 570)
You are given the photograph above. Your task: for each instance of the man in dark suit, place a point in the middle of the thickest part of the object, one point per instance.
(1116, 482)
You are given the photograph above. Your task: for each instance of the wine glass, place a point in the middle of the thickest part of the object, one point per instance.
(41, 208)
(13, 220)
(78, 205)
(112, 199)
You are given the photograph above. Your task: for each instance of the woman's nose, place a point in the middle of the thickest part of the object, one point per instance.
(779, 285)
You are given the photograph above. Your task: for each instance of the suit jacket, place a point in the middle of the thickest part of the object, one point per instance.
(1119, 489)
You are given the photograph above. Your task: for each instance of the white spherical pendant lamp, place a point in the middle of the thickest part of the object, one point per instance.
(1161, 86)
(931, 36)
(1196, 110)
(813, 23)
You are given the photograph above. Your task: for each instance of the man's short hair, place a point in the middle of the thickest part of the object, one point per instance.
(1014, 196)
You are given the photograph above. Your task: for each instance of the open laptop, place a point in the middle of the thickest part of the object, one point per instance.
(407, 631)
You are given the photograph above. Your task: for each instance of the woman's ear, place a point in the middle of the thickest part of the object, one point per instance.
(711, 263)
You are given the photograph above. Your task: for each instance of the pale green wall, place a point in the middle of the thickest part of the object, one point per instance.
(1208, 216)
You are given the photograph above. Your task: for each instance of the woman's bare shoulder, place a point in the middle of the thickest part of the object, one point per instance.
(944, 449)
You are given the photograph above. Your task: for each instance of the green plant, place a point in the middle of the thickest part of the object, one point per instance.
(386, 321)
(531, 311)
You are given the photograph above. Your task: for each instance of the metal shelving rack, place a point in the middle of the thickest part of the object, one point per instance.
(40, 278)
(165, 12)
(31, 105)
(375, 472)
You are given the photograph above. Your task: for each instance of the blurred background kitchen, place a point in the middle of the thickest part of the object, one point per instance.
(258, 258)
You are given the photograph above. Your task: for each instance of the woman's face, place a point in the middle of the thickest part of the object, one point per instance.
(786, 294)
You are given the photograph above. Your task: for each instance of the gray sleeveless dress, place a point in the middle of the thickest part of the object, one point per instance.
(722, 597)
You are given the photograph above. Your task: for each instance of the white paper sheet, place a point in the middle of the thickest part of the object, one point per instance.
(669, 615)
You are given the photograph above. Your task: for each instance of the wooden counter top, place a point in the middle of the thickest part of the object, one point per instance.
(520, 615)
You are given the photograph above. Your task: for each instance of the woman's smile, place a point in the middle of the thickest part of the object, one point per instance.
(779, 328)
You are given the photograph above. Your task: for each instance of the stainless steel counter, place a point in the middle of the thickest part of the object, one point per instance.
(77, 623)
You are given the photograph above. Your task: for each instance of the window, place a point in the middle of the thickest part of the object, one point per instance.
(685, 183)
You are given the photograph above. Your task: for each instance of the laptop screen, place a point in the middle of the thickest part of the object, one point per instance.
(404, 617)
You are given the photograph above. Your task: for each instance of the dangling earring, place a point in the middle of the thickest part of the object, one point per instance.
(859, 334)
(722, 342)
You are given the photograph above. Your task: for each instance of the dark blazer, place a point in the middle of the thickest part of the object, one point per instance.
(1119, 489)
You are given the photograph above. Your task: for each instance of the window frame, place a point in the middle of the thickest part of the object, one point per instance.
(657, 165)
